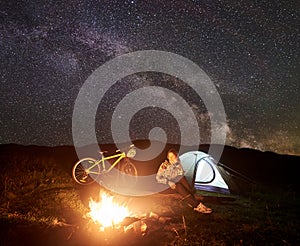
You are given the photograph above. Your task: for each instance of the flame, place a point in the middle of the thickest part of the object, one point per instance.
(107, 212)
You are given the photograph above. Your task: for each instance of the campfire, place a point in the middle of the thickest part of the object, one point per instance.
(107, 212)
(118, 224)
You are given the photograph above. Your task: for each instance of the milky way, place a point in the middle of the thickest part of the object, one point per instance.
(250, 50)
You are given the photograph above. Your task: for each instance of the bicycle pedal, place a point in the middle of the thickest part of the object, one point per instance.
(83, 180)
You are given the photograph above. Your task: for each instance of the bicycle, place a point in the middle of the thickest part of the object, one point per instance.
(87, 170)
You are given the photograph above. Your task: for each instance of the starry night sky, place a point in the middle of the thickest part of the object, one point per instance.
(249, 49)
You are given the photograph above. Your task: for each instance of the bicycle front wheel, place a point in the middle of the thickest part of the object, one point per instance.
(129, 173)
(85, 171)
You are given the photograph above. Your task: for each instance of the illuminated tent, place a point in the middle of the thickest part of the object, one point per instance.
(204, 173)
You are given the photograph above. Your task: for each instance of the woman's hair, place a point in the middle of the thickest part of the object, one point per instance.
(174, 151)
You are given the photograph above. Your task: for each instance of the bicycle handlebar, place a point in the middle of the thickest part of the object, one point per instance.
(130, 146)
(102, 152)
(118, 150)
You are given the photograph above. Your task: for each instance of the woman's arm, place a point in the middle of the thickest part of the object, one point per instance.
(160, 176)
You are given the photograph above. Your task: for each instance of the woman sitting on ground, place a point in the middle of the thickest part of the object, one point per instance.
(171, 173)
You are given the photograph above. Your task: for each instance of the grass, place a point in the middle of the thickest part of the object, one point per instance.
(40, 194)
(262, 218)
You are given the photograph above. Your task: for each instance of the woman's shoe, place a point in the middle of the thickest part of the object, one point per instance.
(201, 208)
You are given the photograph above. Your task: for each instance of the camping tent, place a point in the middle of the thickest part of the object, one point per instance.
(204, 173)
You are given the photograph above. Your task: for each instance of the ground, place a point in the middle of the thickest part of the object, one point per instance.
(57, 216)
(41, 204)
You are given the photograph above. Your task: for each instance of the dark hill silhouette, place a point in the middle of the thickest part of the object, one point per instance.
(262, 167)
(265, 167)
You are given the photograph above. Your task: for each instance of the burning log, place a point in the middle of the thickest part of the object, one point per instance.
(139, 227)
(160, 219)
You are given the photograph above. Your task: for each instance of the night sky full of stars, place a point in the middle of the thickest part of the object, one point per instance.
(249, 49)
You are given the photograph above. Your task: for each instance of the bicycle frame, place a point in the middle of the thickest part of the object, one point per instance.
(103, 159)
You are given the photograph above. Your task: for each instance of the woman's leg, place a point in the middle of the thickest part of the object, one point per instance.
(186, 194)
(186, 184)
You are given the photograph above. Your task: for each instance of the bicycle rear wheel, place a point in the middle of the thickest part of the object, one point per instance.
(129, 173)
(85, 171)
